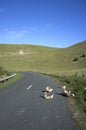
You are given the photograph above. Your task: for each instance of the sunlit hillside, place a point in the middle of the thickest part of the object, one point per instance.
(43, 59)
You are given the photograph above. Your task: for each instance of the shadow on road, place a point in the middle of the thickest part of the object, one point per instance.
(62, 94)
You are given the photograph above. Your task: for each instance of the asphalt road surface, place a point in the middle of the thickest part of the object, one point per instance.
(22, 106)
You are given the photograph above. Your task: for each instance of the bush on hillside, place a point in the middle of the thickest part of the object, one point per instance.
(2, 71)
(83, 56)
(75, 59)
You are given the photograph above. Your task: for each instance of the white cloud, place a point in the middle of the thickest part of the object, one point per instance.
(17, 34)
(57, 26)
(14, 34)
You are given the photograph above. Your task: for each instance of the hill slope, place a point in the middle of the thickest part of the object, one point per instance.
(42, 59)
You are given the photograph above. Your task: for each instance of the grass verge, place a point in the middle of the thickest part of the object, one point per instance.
(76, 104)
(10, 81)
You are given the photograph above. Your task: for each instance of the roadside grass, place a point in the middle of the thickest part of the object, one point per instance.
(3, 72)
(76, 84)
(10, 81)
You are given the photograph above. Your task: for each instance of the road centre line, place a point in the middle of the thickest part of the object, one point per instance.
(29, 87)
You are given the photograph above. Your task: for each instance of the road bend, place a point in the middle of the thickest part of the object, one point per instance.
(23, 107)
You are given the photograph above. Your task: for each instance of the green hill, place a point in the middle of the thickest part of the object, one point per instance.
(43, 59)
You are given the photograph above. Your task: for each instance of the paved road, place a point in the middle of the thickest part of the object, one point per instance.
(22, 106)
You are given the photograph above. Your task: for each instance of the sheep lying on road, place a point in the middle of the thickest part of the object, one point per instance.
(48, 93)
(47, 96)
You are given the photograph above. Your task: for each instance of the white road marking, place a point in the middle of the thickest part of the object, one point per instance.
(29, 87)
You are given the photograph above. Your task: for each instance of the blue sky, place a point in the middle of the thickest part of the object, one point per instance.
(54, 23)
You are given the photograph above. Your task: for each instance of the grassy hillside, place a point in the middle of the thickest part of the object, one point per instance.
(43, 59)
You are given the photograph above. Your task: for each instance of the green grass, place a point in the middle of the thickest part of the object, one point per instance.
(76, 84)
(42, 59)
(3, 72)
(10, 81)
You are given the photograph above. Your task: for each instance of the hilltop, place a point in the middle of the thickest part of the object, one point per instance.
(21, 57)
